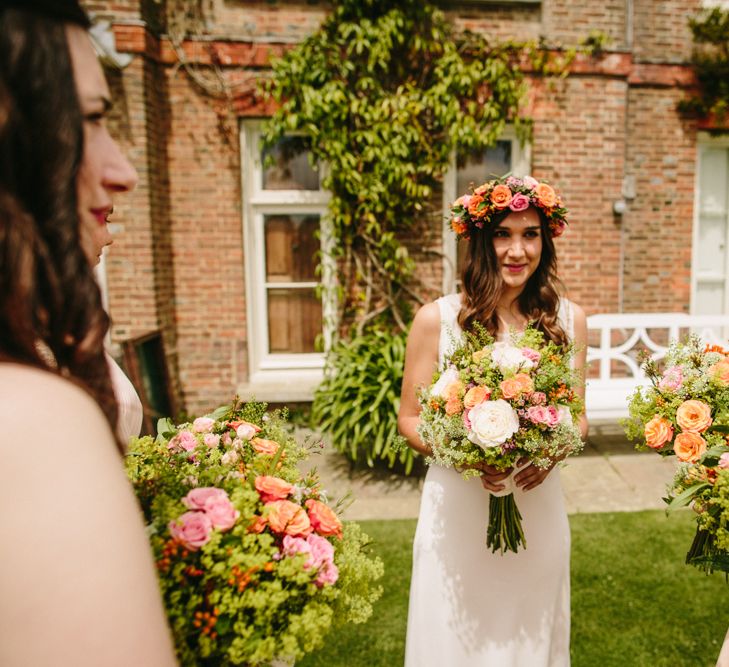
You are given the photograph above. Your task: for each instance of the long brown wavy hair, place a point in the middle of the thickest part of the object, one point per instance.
(51, 315)
(482, 285)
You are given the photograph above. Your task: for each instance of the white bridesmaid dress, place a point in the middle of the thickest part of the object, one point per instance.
(470, 607)
(129, 422)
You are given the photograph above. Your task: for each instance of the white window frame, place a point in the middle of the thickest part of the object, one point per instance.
(704, 140)
(521, 160)
(289, 376)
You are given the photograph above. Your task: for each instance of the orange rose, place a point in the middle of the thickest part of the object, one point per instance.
(323, 519)
(289, 518)
(512, 387)
(272, 488)
(257, 525)
(501, 196)
(546, 195)
(453, 406)
(658, 431)
(720, 372)
(263, 446)
(689, 447)
(458, 226)
(693, 416)
(473, 205)
(453, 390)
(476, 395)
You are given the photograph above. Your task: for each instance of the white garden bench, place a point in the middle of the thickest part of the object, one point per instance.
(614, 341)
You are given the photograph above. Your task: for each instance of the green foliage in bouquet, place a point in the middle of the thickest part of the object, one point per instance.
(684, 412)
(254, 565)
(358, 401)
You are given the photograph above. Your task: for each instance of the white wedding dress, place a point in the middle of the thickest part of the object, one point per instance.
(469, 606)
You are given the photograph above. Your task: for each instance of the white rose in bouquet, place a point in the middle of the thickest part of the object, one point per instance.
(509, 358)
(447, 377)
(492, 423)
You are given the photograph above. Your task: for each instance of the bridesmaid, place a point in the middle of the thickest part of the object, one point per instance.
(78, 583)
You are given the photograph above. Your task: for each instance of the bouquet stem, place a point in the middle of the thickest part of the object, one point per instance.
(705, 555)
(505, 532)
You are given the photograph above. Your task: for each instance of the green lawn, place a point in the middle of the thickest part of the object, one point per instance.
(634, 602)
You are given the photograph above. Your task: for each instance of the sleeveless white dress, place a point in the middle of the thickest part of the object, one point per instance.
(469, 606)
(129, 420)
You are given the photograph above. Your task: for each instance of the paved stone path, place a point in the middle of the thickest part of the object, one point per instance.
(609, 476)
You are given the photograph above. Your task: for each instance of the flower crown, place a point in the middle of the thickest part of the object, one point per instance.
(506, 194)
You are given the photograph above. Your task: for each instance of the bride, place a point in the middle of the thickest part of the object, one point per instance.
(469, 606)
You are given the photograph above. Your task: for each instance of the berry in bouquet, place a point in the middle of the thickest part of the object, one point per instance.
(254, 563)
(501, 403)
(684, 412)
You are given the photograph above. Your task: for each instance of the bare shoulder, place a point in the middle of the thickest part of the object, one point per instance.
(427, 319)
(580, 318)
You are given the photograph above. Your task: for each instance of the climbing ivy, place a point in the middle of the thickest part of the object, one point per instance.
(710, 31)
(385, 91)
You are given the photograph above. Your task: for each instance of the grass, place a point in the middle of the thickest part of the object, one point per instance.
(634, 602)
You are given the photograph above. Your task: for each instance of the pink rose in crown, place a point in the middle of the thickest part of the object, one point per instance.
(192, 529)
(196, 498)
(724, 461)
(672, 379)
(184, 441)
(203, 425)
(212, 440)
(519, 202)
(221, 512)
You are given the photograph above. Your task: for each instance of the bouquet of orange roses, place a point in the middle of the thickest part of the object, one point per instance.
(254, 563)
(684, 411)
(497, 403)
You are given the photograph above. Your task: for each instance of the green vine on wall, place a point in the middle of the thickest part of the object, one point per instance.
(385, 91)
(711, 61)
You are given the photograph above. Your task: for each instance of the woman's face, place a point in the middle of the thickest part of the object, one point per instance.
(104, 171)
(518, 247)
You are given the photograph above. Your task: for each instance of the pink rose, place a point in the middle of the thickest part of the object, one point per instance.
(221, 512)
(554, 416)
(530, 182)
(183, 441)
(463, 201)
(672, 379)
(292, 546)
(328, 575)
(724, 461)
(196, 498)
(192, 529)
(203, 425)
(531, 354)
(212, 440)
(537, 414)
(519, 202)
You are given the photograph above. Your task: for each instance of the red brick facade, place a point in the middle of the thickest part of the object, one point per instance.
(177, 264)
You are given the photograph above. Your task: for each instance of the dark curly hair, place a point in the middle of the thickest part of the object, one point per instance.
(51, 315)
(482, 285)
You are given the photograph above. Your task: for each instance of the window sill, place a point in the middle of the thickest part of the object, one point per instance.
(292, 386)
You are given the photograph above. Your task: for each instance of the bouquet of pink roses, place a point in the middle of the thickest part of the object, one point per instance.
(498, 403)
(254, 563)
(685, 412)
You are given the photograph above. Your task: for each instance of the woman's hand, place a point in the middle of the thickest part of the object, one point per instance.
(531, 476)
(492, 477)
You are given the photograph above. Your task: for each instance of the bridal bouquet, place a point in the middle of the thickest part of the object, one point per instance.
(685, 412)
(254, 563)
(500, 403)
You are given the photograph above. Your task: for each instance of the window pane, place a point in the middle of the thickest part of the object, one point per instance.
(713, 181)
(294, 320)
(712, 240)
(290, 168)
(475, 168)
(709, 298)
(291, 248)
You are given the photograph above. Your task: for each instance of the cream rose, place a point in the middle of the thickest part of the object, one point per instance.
(448, 376)
(492, 423)
(509, 358)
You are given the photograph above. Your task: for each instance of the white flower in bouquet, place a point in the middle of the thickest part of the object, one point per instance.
(448, 376)
(492, 423)
(509, 358)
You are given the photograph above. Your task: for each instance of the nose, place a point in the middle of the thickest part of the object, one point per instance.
(516, 247)
(119, 174)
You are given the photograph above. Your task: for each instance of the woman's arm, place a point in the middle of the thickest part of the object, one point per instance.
(77, 583)
(421, 361)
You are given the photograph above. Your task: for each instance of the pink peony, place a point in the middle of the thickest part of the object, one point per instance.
(328, 575)
(292, 546)
(724, 461)
(672, 379)
(192, 529)
(212, 440)
(221, 512)
(184, 441)
(203, 425)
(519, 202)
(196, 498)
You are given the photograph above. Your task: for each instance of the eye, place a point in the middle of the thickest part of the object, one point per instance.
(95, 117)
(501, 234)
